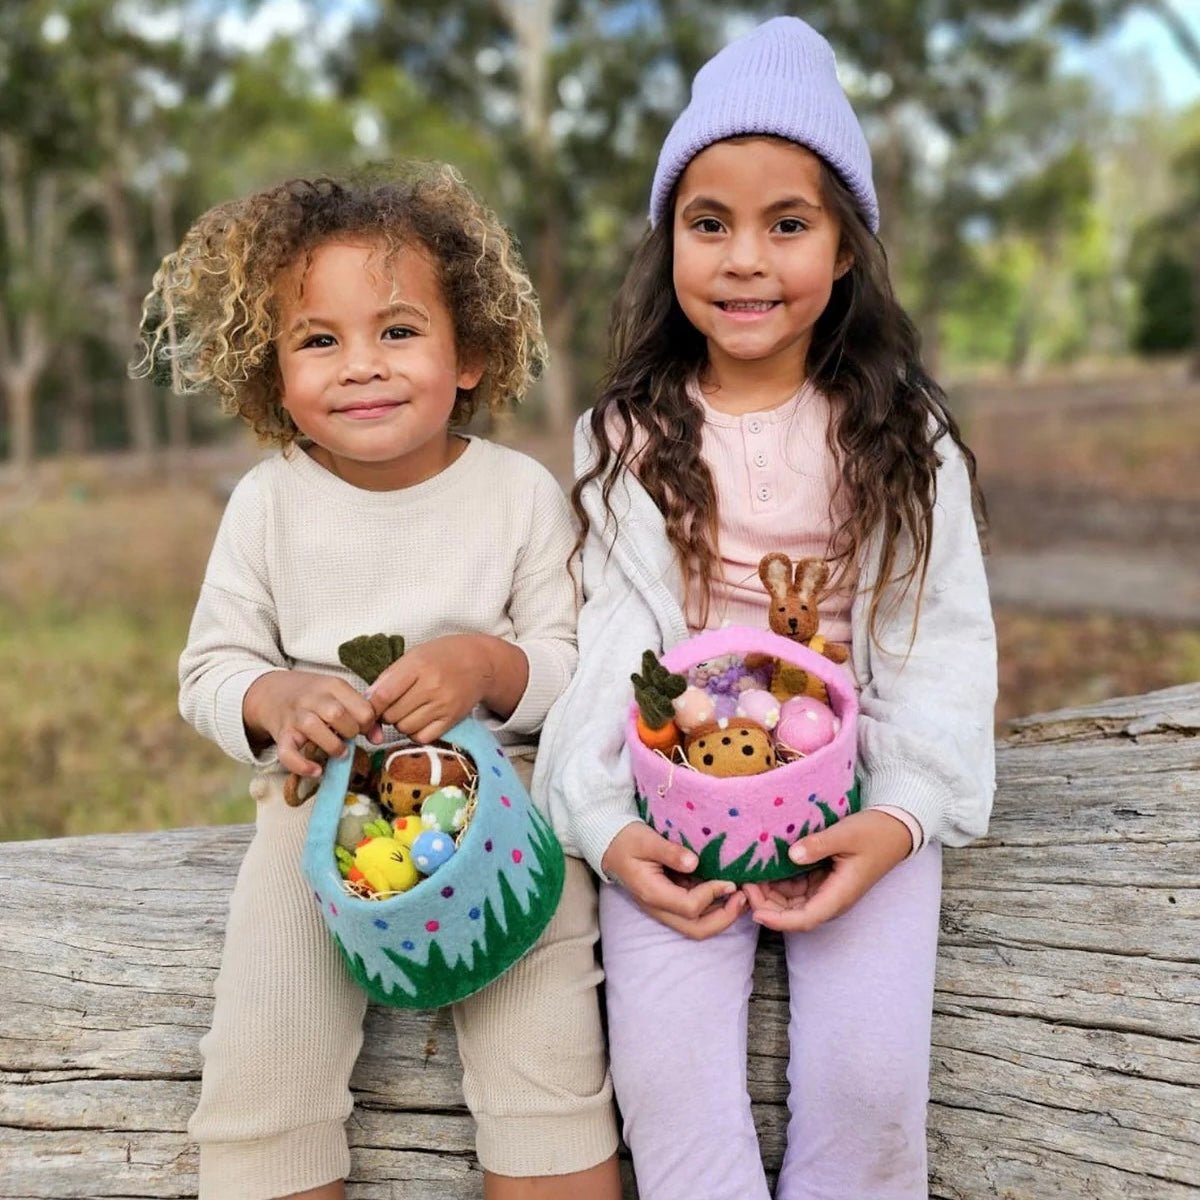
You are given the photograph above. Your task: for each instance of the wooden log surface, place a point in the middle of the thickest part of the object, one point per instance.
(1066, 1038)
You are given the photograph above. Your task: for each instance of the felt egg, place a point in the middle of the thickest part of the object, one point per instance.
(760, 706)
(431, 850)
(445, 810)
(805, 725)
(386, 865)
(357, 811)
(693, 707)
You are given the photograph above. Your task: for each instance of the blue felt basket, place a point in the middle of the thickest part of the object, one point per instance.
(465, 925)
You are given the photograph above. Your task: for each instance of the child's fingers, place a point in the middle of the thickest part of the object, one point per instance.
(411, 721)
(432, 731)
(290, 749)
(651, 887)
(312, 727)
(338, 716)
(651, 847)
(707, 924)
(390, 687)
(816, 846)
(838, 891)
(359, 711)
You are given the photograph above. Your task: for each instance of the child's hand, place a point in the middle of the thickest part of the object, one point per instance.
(291, 708)
(438, 683)
(861, 849)
(638, 859)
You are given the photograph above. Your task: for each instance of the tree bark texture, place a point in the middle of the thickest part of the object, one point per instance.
(1066, 1038)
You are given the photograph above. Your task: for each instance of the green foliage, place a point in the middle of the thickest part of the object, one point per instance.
(1166, 305)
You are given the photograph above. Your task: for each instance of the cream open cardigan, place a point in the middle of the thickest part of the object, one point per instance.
(925, 739)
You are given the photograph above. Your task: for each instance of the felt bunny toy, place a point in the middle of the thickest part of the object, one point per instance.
(794, 590)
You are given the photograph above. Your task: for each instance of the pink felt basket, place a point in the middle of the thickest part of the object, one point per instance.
(741, 828)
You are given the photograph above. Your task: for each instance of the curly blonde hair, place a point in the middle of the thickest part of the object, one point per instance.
(211, 318)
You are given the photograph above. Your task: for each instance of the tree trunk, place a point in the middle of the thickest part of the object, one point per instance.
(177, 413)
(558, 315)
(138, 394)
(75, 415)
(532, 22)
(1065, 1018)
(19, 387)
(1194, 370)
(32, 220)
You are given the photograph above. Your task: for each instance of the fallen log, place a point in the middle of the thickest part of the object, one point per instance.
(1066, 1039)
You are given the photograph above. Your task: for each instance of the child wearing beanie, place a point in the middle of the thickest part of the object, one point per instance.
(766, 393)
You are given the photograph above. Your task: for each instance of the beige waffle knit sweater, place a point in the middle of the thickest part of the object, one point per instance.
(303, 561)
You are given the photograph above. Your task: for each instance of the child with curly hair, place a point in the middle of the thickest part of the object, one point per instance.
(355, 325)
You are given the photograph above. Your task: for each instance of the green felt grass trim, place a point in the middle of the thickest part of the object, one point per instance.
(743, 869)
(500, 944)
(779, 866)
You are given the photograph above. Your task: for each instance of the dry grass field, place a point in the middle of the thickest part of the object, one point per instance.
(98, 575)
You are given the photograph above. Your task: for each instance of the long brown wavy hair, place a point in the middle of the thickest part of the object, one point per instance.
(210, 321)
(864, 356)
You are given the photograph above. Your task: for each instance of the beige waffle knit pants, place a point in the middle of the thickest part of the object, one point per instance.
(287, 1028)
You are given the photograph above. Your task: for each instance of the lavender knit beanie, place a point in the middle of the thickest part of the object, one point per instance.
(779, 79)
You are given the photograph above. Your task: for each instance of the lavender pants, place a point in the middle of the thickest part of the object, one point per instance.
(861, 1001)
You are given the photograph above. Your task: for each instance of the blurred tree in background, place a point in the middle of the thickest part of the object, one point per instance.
(1027, 221)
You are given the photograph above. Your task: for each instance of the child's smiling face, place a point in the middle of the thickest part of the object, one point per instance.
(756, 255)
(368, 363)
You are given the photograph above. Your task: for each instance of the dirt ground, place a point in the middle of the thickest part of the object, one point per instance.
(1093, 490)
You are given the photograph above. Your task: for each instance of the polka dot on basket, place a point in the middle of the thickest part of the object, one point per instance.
(506, 801)
(762, 837)
(488, 845)
(432, 926)
(333, 908)
(474, 914)
(778, 801)
(380, 923)
(407, 945)
(447, 892)
(517, 856)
